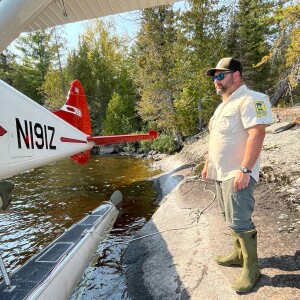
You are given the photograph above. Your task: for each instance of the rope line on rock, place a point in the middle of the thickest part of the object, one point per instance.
(196, 212)
(199, 212)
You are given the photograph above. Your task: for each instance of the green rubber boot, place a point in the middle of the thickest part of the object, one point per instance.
(250, 273)
(234, 258)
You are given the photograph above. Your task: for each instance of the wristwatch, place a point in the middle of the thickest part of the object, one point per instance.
(245, 170)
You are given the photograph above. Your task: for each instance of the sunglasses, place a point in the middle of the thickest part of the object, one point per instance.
(220, 76)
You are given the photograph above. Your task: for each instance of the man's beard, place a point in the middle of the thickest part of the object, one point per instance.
(222, 89)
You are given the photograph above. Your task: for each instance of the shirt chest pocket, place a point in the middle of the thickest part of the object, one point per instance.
(230, 122)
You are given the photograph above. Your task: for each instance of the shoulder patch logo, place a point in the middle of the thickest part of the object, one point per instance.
(260, 108)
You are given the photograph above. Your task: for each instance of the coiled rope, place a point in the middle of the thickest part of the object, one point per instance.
(197, 214)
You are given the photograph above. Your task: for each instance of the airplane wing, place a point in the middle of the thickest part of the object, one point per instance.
(118, 139)
(28, 15)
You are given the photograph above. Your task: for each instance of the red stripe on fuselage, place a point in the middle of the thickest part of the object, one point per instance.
(75, 141)
(2, 131)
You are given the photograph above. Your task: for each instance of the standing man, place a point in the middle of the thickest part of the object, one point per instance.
(237, 131)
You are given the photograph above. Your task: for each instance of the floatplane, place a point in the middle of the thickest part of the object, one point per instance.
(32, 136)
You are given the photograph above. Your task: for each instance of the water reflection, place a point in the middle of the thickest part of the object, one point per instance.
(50, 199)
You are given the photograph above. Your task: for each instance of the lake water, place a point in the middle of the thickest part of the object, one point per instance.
(50, 199)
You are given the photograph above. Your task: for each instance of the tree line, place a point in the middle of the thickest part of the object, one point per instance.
(158, 81)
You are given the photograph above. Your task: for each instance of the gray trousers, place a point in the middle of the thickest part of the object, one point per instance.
(236, 207)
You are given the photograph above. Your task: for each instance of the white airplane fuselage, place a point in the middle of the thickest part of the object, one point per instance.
(31, 135)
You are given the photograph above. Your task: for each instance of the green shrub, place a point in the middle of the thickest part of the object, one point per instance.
(145, 146)
(165, 144)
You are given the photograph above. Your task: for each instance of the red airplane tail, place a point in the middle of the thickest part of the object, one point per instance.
(76, 112)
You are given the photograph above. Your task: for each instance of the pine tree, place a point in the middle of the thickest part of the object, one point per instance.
(37, 53)
(7, 60)
(284, 54)
(100, 63)
(247, 39)
(199, 48)
(154, 71)
(55, 85)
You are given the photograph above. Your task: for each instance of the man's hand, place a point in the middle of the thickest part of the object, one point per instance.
(204, 171)
(241, 181)
(254, 144)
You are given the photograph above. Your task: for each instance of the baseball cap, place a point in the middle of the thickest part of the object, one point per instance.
(226, 64)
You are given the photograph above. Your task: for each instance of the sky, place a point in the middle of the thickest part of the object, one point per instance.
(126, 24)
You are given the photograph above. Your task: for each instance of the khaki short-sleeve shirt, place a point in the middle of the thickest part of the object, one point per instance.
(228, 136)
